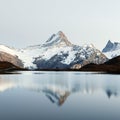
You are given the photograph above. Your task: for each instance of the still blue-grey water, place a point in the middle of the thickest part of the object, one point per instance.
(33, 95)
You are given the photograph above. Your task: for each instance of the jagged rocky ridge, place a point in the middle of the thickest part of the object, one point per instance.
(112, 49)
(56, 53)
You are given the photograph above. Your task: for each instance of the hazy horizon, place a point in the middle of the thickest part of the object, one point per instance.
(31, 22)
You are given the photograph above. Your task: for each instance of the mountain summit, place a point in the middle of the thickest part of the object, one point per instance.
(112, 49)
(108, 46)
(58, 39)
(111, 46)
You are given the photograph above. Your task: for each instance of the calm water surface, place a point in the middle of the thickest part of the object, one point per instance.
(59, 96)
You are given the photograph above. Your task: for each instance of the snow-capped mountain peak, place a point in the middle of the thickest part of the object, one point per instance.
(111, 46)
(112, 49)
(108, 46)
(58, 40)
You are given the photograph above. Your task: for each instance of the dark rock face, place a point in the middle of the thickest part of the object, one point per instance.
(5, 57)
(115, 61)
(53, 63)
(108, 47)
(6, 66)
(111, 46)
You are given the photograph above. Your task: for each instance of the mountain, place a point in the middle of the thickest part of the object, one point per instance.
(112, 49)
(47, 50)
(57, 53)
(111, 66)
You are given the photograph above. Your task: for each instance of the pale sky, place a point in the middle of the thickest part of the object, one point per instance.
(31, 22)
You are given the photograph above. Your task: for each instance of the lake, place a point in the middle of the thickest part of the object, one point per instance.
(36, 95)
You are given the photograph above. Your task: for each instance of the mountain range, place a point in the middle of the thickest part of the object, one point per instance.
(57, 53)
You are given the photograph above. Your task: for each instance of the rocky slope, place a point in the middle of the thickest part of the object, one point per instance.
(111, 66)
(7, 55)
(7, 66)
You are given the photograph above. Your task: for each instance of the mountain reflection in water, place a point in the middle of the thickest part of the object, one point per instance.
(57, 90)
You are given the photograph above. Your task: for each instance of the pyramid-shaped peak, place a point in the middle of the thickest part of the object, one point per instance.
(60, 33)
(108, 46)
(58, 39)
(110, 42)
(111, 46)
